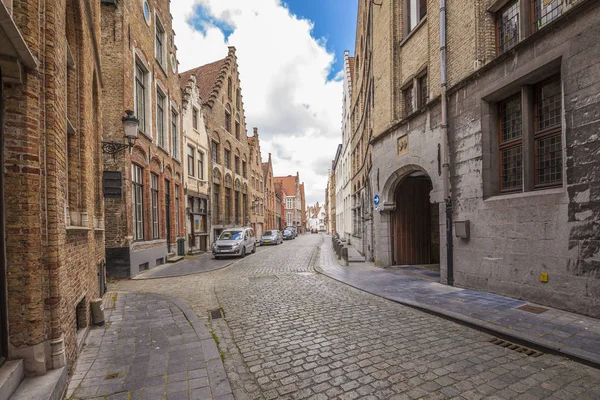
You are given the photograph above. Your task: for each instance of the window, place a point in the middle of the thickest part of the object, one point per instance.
(237, 130)
(190, 160)
(238, 99)
(154, 204)
(229, 89)
(237, 165)
(227, 121)
(530, 156)
(215, 205)
(160, 118)
(228, 158)
(511, 148)
(200, 165)
(195, 118)
(140, 96)
(408, 96)
(237, 207)
(547, 135)
(423, 91)
(227, 205)
(415, 12)
(175, 134)
(215, 153)
(244, 169)
(159, 47)
(137, 193)
(507, 26)
(176, 210)
(289, 221)
(546, 11)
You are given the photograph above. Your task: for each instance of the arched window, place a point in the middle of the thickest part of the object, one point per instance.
(228, 118)
(229, 88)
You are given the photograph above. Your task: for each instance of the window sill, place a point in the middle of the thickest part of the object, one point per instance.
(144, 134)
(162, 67)
(176, 160)
(413, 32)
(163, 150)
(521, 195)
(73, 228)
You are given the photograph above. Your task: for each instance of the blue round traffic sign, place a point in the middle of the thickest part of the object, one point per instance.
(376, 200)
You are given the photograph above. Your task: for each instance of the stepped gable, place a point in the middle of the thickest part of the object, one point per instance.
(210, 77)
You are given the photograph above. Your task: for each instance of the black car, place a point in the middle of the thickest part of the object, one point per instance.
(288, 235)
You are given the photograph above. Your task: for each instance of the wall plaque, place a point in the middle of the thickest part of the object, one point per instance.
(403, 145)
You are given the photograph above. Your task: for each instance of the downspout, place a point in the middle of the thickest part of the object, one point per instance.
(445, 156)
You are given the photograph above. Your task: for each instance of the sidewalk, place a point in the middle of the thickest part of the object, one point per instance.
(561, 331)
(150, 347)
(192, 265)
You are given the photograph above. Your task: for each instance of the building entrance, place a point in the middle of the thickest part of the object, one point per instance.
(415, 228)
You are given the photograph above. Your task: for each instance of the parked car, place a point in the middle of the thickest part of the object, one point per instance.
(314, 230)
(288, 234)
(271, 237)
(234, 242)
(294, 231)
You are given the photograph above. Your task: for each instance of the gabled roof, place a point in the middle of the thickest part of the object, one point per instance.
(209, 77)
(288, 182)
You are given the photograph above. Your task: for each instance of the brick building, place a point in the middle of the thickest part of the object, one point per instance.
(280, 193)
(505, 140)
(257, 186)
(302, 209)
(270, 206)
(196, 169)
(221, 94)
(292, 200)
(51, 214)
(144, 186)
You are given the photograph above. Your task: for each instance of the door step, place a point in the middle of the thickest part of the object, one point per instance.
(11, 375)
(174, 259)
(50, 386)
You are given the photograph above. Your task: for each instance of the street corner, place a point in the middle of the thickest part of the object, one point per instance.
(151, 346)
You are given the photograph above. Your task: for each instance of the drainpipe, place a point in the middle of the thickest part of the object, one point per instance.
(445, 156)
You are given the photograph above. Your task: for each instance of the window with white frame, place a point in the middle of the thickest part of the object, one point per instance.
(160, 118)
(416, 10)
(195, 118)
(190, 160)
(140, 95)
(137, 194)
(175, 134)
(159, 43)
(200, 165)
(154, 204)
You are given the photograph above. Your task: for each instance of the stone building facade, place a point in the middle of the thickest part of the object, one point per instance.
(220, 90)
(521, 79)
(270, 206)
(343, 167)
(196, 180)
(302, 209)
(257, 186)
(144, 186)
(281, 194)
(51, 215)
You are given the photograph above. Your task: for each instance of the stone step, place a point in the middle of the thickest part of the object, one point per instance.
(354, 256)
(46, 387)
(174, 259)
(11, 375)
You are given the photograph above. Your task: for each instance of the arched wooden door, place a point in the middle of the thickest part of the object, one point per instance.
(411, 222)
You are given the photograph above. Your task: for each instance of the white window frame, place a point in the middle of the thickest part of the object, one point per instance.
(146, 127)
(175, 135)
(160, 55)
(164, 142)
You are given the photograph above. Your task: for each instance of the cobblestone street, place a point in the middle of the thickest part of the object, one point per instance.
(290, 333)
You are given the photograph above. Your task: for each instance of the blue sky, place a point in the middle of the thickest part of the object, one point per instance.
(335, 20)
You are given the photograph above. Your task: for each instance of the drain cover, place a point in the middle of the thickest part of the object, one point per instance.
(532, 309)
(516, 347)
(215, 314)
(114, 375)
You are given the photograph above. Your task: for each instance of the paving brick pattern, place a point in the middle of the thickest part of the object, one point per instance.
(149, 350)
(291, 333)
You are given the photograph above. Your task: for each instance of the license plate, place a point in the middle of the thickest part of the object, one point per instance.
(267, 241)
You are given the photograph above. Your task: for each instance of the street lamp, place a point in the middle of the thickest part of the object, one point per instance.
(130, 126)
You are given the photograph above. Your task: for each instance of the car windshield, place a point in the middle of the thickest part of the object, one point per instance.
(231, 235)
(269, 233)
(287, 231)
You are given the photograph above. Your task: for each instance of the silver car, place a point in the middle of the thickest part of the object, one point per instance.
(234, 242)
(271, 237)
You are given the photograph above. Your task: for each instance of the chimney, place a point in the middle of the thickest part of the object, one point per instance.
(269, 157)
(255, 131)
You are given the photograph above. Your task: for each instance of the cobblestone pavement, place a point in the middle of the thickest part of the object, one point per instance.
(151, 348)
(290, 333)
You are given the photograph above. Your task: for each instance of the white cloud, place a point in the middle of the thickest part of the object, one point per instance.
(284, 72)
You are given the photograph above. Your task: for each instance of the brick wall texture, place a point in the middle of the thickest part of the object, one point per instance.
(51, 179)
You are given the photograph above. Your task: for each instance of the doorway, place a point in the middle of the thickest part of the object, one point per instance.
(415, 223)
(168, 211)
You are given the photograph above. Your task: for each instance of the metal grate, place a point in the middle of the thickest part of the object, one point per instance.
(515, 347)
(215, 314)
(508, 27)
(532, 309)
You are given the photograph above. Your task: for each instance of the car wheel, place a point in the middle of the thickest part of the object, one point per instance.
(243, 252)
(215, 257)
(254, 249)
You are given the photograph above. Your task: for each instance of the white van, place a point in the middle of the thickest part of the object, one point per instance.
(234, 242)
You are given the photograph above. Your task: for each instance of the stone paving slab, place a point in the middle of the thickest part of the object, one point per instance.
(561, 331)
(152, 347)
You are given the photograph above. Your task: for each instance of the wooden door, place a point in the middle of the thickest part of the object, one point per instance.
(411, 227)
